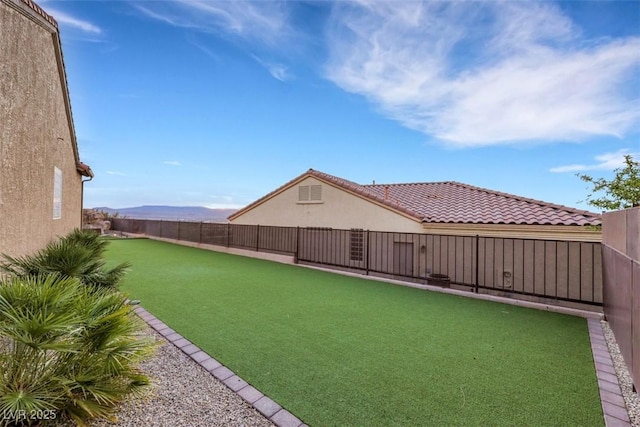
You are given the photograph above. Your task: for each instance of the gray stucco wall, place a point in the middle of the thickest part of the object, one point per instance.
(35, 134)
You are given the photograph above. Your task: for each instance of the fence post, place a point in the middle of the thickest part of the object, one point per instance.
(228, 233)
(477, 262)
(368, 253)
(296, 255)
(258, 238)
(200, 233)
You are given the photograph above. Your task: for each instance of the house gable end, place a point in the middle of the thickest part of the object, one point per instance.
(312, 177)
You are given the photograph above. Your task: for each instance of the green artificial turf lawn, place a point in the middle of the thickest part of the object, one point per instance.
(337, 350)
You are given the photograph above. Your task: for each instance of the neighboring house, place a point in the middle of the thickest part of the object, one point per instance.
(317, 199)
(40, 171)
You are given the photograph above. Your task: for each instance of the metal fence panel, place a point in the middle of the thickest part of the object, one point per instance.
(153, 228)
(190, 231)
(215, 234)
(170, 230)
(244, 236)
(547, 268)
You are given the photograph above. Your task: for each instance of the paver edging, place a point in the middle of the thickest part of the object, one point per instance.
(614, 408)
(254, 397)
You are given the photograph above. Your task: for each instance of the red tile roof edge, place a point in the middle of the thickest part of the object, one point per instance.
(529, 200)
(85, 170)
(40, 11)
(588, 214)
(363, 191)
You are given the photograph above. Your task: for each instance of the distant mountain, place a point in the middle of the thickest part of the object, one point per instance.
(183, 213)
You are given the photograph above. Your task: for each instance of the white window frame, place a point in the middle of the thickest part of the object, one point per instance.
(57, 193)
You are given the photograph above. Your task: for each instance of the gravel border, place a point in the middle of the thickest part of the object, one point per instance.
(182, 393)
(631, 398)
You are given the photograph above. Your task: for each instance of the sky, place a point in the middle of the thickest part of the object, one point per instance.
(217, 103)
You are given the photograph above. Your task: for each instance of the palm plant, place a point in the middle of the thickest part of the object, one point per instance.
(66, 350)
(78, 255)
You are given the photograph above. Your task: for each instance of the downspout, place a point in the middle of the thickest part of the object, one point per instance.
(82, 201)
(84, 170)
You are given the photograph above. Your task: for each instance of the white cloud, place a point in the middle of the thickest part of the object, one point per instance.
(116, 173)
(167, 19)
(223, 206)
(606, 161)
(201, 46)
(172, 163)
(266, 22)
(473, 74)
(277, 71)
(66, 19)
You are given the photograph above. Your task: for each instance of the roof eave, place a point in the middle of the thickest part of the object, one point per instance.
(585, 223)
(85, 170)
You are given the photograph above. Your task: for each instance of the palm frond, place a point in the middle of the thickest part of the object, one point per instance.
(68, 344)
(78, 255)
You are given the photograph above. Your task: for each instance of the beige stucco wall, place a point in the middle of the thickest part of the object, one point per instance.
(338, 209)
(35, 135)
(549, 232)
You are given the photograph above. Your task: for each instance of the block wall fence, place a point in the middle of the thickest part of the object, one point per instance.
(621, 281)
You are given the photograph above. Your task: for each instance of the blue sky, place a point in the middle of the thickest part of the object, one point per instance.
(216, 103)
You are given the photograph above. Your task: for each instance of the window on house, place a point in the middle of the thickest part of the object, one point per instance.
(57, 193)
(310, 193)
(356, 243)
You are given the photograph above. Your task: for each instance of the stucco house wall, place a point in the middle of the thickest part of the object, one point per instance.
(572, 233)
(338, 209)
(36, 133)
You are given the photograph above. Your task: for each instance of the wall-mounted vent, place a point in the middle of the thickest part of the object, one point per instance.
(310, 193)
(303, 193)
(315, 193)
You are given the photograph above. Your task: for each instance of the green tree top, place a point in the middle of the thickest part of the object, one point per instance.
(622, 192)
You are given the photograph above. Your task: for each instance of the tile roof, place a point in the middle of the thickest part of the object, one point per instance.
(37, 9)
(85, 170)
(454, 202)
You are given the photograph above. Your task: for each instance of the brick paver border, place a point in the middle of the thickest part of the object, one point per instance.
(267, 407)
(613, 405)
